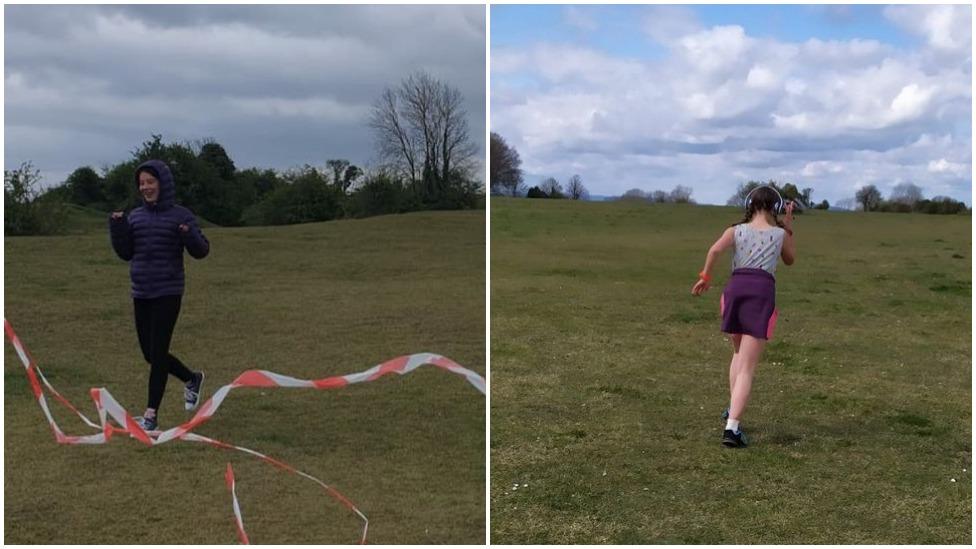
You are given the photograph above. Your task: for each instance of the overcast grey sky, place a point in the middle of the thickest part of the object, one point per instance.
(277, 86)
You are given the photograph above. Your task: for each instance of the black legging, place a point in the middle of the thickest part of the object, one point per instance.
(155, 320)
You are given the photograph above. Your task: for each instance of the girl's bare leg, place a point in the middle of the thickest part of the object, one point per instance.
(734, 364)
(750, 349)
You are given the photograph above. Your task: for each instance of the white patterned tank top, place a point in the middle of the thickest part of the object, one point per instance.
(757, 249)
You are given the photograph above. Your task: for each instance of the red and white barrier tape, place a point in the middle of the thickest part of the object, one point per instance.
(107, 406)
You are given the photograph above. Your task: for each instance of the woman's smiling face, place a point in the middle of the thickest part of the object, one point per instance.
(148, 187)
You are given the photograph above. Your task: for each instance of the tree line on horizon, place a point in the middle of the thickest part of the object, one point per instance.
(505, 175)
(507, 179)
(421, 136)
(905, 198)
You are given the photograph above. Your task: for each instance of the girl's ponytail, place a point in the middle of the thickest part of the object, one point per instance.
(750, 211)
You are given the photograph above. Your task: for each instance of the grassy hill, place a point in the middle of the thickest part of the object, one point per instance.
(608, 378)
(307, 301)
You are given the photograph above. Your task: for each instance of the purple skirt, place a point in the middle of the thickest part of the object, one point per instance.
(748, 303)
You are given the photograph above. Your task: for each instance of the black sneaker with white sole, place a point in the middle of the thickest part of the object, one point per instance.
(732, 439)
(192, 391)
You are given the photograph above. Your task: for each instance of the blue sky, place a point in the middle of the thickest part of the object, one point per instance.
(830, 97)
(619, 30)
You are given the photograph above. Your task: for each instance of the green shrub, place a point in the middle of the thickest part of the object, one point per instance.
(26, 213)
(380, 194)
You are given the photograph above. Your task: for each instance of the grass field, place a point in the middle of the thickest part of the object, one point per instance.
(608, 379)
(307, 301)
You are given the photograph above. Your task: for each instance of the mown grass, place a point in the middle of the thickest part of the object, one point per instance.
(608, 379)
(308, 301)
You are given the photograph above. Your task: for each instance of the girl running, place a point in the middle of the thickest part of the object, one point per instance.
(748, 303)
(152, 238)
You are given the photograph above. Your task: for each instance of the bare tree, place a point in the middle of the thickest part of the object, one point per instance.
(906, 193)
(658, 196)
(681, 194)
(504, 166)
(393, 137)
(421, 130)
(575, 188)
(869, 197)
(551, 187)
(846, 204)
(457, 151)
(806, 195)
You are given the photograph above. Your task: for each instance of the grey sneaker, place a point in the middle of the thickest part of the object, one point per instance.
(147, 423)
(192, 391)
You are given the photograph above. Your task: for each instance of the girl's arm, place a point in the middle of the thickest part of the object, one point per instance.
(193, 239)
(789, 249)
(120, 232)
(788, 253)
(724, 242)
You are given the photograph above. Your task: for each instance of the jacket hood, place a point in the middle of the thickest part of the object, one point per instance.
(167, 188)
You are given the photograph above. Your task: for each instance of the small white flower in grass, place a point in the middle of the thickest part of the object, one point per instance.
(952, 480)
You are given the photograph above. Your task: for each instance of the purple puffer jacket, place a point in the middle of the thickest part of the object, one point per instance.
(151, 239)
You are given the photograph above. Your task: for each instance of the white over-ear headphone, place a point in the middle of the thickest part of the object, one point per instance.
(779, 204)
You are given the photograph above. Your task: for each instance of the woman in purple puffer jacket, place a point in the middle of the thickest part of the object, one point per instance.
(152, 239)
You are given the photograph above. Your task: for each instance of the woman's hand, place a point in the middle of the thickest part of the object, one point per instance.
(700, 287)
(118, 215)
(788, 220)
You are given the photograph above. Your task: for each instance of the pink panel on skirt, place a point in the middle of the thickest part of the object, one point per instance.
(772, 324)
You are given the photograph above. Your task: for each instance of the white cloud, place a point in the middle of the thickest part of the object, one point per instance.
(725, 106)
(945, 27)
(665, 24)
(847, 52)
(716, 49)
(557, 118)
(761, 77)
(910, 102)
(944, 166)
(580, 18)
(874, 97)
(503, 61)
(822, 167)
(561, 63)
(325, 108)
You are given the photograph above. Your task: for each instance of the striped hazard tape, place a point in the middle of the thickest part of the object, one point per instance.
(107, 407)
